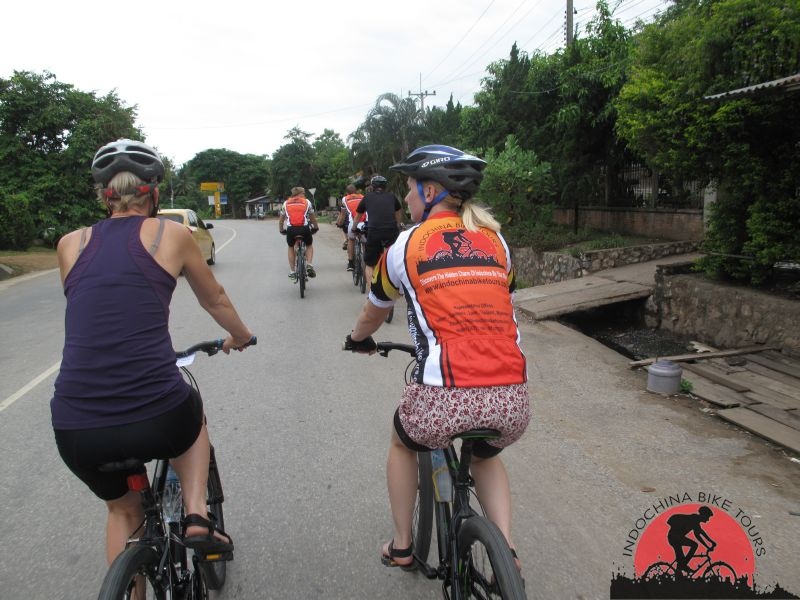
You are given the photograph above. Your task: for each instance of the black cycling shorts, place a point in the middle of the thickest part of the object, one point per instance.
(303, 231)
(377, 241)
(166, 436)
(480, 448)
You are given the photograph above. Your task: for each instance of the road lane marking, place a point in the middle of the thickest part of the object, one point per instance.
(27, 388)
(233, 231)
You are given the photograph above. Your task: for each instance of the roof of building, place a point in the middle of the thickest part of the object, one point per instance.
(785, 84)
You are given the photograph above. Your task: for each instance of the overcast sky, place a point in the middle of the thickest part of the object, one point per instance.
(238, 74)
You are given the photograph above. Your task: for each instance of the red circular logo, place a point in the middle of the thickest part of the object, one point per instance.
(733, 548)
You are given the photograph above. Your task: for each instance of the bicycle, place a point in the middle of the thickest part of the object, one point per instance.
(158, 559)
(474, 558)
(359, 268)
(706, 569)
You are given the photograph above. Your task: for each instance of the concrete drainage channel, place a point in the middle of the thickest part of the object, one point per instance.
(758, 390)
(621, 327)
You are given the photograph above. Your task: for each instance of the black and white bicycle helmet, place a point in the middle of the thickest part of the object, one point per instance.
(127, 155)
(378, 181)
(460, 173)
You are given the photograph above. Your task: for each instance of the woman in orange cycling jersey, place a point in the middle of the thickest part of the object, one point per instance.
(470, 370)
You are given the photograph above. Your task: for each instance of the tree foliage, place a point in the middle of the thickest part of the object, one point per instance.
(245, 176)
(49, 132)
(748, 144)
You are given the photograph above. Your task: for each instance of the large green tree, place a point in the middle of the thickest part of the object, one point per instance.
(245, 176)
(293, 163)
(746, 144)
(49, 132)
(332, 166)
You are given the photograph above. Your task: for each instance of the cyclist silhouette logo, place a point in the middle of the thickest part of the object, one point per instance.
(680, 526)
(457, 248)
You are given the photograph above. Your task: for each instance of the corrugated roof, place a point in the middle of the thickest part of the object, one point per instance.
(788, 84)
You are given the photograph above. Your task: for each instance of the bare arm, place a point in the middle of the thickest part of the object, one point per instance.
(211, 295)
(369, 321)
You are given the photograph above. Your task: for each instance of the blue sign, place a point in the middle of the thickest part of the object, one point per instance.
(223, 198)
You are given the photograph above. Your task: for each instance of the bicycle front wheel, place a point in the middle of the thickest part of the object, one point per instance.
(485, 567)
(214, 572)
(134, 575)
(422, 525)
(720, 571)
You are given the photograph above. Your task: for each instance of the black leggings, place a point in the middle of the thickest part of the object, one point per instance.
(165, 436)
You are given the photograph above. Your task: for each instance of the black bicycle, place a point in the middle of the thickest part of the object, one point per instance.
(359, 268)
(300, 272)
(156, 564)
(474, 558)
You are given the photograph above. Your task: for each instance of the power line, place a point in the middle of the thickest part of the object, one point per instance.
(469, 61)
(461, 40)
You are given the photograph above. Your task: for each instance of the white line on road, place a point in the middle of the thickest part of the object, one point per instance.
(233, 231)
(27, 388)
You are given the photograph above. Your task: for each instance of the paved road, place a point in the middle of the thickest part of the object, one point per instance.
(302, 430)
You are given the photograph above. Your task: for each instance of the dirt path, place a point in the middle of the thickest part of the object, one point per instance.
(20, 263)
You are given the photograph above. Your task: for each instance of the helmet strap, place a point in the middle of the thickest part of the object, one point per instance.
(429, 205)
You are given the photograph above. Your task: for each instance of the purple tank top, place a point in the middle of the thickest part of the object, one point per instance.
(118, 365)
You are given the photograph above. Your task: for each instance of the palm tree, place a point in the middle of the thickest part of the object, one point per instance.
(390, 131)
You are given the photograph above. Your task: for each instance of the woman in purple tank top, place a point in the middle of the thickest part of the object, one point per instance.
(114, 401)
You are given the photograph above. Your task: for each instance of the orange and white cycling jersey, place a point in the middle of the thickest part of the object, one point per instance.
(458, 286)
(350, 203)
(297, 209)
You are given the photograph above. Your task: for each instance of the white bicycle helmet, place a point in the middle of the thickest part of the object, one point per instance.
(127, 155)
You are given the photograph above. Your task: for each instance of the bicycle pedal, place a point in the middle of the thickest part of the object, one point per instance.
(217, 557)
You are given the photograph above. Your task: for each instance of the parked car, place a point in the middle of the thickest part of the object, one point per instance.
(194, 224)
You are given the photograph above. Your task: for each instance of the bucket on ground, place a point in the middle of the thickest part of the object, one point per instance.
(664, 377)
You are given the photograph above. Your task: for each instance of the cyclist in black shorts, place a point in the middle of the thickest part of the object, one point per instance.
(384, 215)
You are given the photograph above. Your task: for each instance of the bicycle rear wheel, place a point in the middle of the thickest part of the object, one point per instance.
(485, 566)
(356, 263)
(214, 572)
(422, 526)
(301, 269)
(135, 566)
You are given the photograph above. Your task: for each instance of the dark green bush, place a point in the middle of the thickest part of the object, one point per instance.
(16, 222)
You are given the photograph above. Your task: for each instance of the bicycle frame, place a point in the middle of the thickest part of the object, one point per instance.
(449, 518)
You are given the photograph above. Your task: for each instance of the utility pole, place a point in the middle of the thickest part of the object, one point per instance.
(570, 27)
(422, 95)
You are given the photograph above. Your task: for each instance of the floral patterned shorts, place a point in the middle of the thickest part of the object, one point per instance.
(432, 415)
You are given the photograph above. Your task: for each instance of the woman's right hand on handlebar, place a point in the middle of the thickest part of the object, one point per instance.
(238, 343)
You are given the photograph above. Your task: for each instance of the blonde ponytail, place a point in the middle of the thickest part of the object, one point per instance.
(476, 216)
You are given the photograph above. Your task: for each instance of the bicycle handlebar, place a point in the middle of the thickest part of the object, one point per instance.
(211, 347)
(383, 348)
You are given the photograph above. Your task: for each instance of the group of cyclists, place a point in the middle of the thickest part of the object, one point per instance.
(116, 400)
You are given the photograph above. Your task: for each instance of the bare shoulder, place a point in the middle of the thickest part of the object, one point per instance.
(70, 242)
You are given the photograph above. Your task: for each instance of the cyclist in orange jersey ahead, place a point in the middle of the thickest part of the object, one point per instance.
(348, 214)
(298, 218)
(470, 370)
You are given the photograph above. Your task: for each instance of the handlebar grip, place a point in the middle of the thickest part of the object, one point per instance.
(253, 341)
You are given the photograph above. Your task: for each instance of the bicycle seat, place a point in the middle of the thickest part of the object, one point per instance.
(478, 434)
(128, 464)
